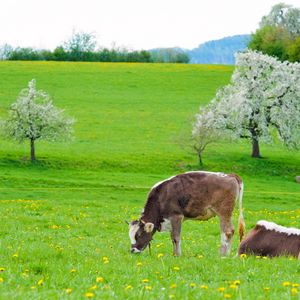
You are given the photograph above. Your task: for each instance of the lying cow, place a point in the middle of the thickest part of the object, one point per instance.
(192, 195)
(270, 239)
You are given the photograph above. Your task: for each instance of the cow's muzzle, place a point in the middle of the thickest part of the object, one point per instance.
(135, 250)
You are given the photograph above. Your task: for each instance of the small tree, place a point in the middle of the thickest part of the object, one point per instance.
(79, 44)
(5, 51)
(33, 117)
(204, 130)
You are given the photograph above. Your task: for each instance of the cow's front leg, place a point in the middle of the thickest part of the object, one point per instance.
(175, 234)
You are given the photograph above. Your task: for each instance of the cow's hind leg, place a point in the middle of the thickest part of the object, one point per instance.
(176, 222)
(227, 231)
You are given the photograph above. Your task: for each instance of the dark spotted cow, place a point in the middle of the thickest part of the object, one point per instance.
(195, 195)
(270, 239)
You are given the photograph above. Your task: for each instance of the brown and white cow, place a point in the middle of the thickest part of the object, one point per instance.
(270, 239)
(194, 195)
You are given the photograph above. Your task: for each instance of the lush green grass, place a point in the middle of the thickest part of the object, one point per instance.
(64, 214)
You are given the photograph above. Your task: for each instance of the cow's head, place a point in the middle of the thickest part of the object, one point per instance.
(140, 234)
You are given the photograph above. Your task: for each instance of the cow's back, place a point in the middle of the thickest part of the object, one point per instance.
(265, 242)
(197, 194)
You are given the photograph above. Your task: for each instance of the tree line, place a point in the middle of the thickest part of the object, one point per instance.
(83, 47)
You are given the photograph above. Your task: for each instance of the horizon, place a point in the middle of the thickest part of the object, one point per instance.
(128, 24)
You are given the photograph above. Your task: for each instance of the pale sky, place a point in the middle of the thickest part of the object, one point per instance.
(135, 24)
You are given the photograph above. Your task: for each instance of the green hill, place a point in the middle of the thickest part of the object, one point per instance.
(63, 232)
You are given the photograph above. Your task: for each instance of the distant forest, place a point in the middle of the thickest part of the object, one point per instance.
(83, 47)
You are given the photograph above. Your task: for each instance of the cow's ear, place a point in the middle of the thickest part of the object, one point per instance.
(149, 227)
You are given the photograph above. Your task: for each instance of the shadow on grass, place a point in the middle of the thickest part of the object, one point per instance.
(242, 164)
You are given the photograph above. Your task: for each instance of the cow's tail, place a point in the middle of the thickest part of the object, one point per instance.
(241, 221)
(239, 198)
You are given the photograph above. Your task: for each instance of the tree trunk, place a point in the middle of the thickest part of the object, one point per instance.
(255, 148)
(200, 159)
(32, 150)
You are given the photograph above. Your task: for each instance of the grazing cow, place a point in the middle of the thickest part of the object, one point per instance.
(270, 239)
(195, 195)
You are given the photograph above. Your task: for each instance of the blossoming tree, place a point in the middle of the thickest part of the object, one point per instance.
(205, 131)
(262, 98)
(33, 117)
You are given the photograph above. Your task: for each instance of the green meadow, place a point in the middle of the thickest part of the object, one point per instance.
(63, 234)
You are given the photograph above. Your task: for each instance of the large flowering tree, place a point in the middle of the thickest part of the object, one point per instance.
(33, 116)
(263, 98)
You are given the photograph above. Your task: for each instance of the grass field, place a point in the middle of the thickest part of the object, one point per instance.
(63, 234)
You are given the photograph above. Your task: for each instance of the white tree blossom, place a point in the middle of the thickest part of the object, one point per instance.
(263, 97)
(33, 116)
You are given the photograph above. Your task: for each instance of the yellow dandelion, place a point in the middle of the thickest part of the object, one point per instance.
(221, 289)
(73, 271)
(94, 287)
(227, 296)
(68, 291)
(203, 286)
(237, 282)
(99, 279)
(172, 296)
(173, 286)
(128, 287)
(192, 285)
(89, 295)
(286, 283)
(176, 268)
(233, 286)
(148, 287)
(200, 256)
(264, 257)
(1, 279)
(40, 282)
(33, 287)
(139, 264)
(15, 255)
(159, 255)
(295, 285)
(2, 269)
(266, 289)
(243, 255)
(294, 291)
(258, 256)
(145, 280)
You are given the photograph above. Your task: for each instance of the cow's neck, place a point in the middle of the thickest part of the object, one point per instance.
(151, 212)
